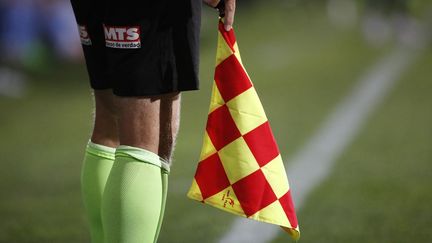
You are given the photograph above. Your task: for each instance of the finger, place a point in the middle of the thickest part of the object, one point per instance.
(229, 14)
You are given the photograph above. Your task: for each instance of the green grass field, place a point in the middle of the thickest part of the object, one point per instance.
(380, 188)
(302, 66)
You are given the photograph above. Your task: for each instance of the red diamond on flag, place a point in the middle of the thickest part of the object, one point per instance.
(288, 207)
(231, 79)
(221, 127)
(262, 144)
(211, 177)
(252, 187)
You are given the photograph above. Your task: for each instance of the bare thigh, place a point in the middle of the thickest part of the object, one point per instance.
(151, 123)
(170, 123)
(105, 130)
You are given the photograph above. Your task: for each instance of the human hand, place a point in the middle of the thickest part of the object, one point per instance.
(226, 10)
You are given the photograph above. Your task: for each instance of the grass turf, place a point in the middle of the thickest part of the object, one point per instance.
(300, 64)
(379, 190)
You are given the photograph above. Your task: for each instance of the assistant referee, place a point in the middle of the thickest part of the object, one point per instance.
(140, 55)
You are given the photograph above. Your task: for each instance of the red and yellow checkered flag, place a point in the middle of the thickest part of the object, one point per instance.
(241, 170)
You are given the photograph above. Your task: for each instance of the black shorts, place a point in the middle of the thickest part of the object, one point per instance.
(140, 47)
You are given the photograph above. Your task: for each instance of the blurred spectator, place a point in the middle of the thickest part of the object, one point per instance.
(343, 13)
(27, 26)
(388, 6)
(60, 28)
(29, 30)
(391, 20)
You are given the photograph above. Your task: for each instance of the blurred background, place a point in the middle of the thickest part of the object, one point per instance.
(304, 57)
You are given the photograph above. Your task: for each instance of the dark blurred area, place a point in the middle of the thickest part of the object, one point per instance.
(30, 28)
(36, 33)
(386, 20)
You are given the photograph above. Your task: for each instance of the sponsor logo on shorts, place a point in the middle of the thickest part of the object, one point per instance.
(84, 35)
(122, 37)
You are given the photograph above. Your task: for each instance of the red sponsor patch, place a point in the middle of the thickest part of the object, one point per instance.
(122, 37)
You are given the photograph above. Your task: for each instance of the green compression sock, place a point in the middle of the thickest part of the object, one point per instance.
(132, 201)
(97, 164)
(164, 176)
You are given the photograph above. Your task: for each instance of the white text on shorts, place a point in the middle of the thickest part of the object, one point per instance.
(122, 37)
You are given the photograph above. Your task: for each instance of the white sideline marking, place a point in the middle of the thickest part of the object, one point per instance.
(313, 163)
